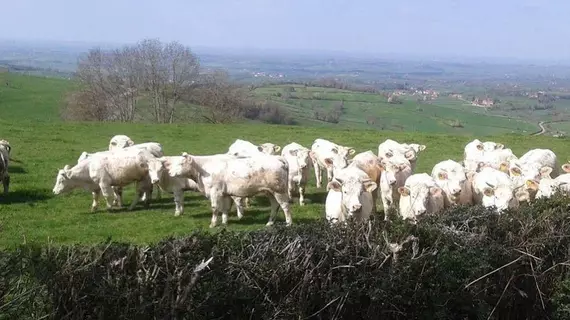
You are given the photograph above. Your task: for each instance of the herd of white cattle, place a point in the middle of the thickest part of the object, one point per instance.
(489, 175)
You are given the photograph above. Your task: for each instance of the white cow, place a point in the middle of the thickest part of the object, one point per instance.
(104, 170)
(476, 152)
(300, 160)
(420, 195)
(547, 186)
(6, 145)
(246, 148)
(396, 170)
(221, 177)
(349, 194)
(120, 141)
(533, 165)
(389, 148)
(4, 163)
(530, 164)
(450, 176)
(154, 148)
(158, 171)
(159, 176)
(499, 159)
(330, 156)
(492, 187)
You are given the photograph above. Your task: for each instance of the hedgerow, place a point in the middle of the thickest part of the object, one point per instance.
(466, 263)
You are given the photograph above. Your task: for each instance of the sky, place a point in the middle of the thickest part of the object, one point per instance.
(520, 29)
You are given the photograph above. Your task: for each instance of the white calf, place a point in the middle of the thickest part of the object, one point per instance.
(350, 194)
(450, 176)
(492, 187)
(547, 186)
(330, 156)
(299, 159)
(222, 177)
(390, 148)
(120, 141)
(396, 170)
(420, 195)
(245, 148)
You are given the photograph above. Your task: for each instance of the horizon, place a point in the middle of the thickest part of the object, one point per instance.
(83, 46)
(526, 30)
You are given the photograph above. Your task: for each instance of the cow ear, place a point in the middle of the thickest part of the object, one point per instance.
(351, 151)
(259, 148)
(334, 185)
(276, 148)
(435, 191)
(566, 167)
(499, 146)
(480, 147)
(488, 192)
(328, 162)
(130, 143)
(312, 155)
(370, 185)
(410, 155)
(504, 167)
(515, 171)
(442, 176)
(545, 172)
(531, 184)
(404, 191)
(294, 152)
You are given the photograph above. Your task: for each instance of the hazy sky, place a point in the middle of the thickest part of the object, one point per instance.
(536, 29)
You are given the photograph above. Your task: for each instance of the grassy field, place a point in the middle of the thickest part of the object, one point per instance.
(411, 115)
(42, 145)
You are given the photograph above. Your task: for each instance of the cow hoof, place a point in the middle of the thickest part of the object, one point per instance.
(240, 217)
(301, 203)
(269, 224)
(212, 225)
(176, 214)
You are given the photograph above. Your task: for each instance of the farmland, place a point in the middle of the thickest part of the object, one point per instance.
(42, 144)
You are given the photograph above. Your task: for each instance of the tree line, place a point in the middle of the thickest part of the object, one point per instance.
(162, 83)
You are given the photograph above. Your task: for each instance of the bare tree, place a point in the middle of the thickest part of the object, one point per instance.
(223, 101)
(115, 82)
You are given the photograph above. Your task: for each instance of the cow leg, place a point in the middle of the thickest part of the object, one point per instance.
(216, 202)
(239, 206)
(6, 183)
(94, 204)
(301, 195)
(178, 202)
(246, 202)
(318, 176)
(158, 193)
(226, 204)
(330, 174)
(136, 198)
(279, 200)
(374, 196)
(144, 192)
(118, 192)
(106, 190)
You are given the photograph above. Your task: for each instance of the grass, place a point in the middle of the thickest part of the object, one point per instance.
(411, 115)
(42, 145)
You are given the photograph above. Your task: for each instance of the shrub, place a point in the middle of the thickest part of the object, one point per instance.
(466, 263)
